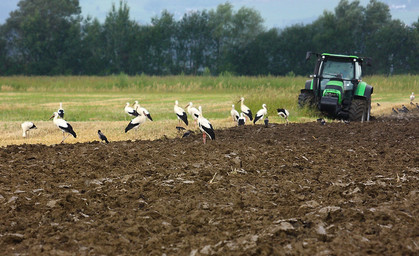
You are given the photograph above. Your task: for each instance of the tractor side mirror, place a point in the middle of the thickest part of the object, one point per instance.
(308, 55)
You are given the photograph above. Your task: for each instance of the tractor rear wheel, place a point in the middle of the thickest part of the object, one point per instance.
(359, 110)
(305, 99)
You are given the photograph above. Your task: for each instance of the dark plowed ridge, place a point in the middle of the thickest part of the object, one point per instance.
(338, 189)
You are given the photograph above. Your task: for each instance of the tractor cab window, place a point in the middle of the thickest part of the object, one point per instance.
(337, 69)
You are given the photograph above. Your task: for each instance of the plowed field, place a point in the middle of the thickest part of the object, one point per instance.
(337, 189)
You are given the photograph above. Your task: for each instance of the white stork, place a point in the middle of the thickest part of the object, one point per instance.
(26, 126)
(205, 126)
(245, 109)
(283, 113)
(412, 97)
(192, 111)
(63, 126)
(261, 113)
(234, 114)
(180, 113)
(140, 109)
(136, 122)
(241, 120)
(60, 111)
(130, 111)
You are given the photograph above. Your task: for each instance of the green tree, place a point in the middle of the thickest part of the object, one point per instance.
(161, 49)
(93, 47)
(119, 34)
(194, 43)
(262, 55)
(221, 24)
(44, 36)
(246, 27)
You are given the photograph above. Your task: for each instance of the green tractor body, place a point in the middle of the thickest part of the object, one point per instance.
(336, 88)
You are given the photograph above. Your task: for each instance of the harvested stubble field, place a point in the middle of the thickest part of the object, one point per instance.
(337, 189)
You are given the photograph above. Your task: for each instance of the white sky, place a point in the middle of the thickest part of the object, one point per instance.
(276, 13)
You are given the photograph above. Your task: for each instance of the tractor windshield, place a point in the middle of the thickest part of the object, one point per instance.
(338, 69)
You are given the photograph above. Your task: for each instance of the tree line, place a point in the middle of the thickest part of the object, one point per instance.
(44, 37)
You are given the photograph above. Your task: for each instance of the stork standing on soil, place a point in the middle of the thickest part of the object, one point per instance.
(63, 126)
(283, 113)
(130, 111)
(136, 122)
(260, 114)
(140, 109)
(412, 97)
(180, 113)
(205, 126)
(234, 114)
(26, 126)
(192, 111)
(60, 111)
(245, 109)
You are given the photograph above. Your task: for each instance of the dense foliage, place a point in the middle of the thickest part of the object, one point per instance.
(44, 37)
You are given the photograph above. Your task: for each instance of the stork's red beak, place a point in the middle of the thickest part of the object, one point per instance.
(51, 117)
(187, 106)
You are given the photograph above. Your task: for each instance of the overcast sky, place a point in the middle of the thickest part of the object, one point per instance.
(276, 13)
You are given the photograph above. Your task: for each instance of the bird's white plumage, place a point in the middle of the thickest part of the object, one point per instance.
(139, 119)
(243, 107)
(283, 113)
(180, 112)
(205, 126)
(261, 113)
(129, 110)
(234, 113)
(63, 126)
(192, 111)
(140, 109)
(26, 126)
(136, 122)
(60, 123)
(412, 97)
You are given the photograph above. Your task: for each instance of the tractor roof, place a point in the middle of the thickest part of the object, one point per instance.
(341, 56)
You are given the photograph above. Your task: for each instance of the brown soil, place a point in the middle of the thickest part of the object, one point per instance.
(337, 189)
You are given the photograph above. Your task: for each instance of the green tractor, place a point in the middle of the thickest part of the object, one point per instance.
(336, 88)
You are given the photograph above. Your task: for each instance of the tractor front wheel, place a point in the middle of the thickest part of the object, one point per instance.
(359, 110)
(305, 99)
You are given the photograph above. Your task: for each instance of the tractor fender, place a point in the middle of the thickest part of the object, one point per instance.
(309, 85)
(363, 90)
